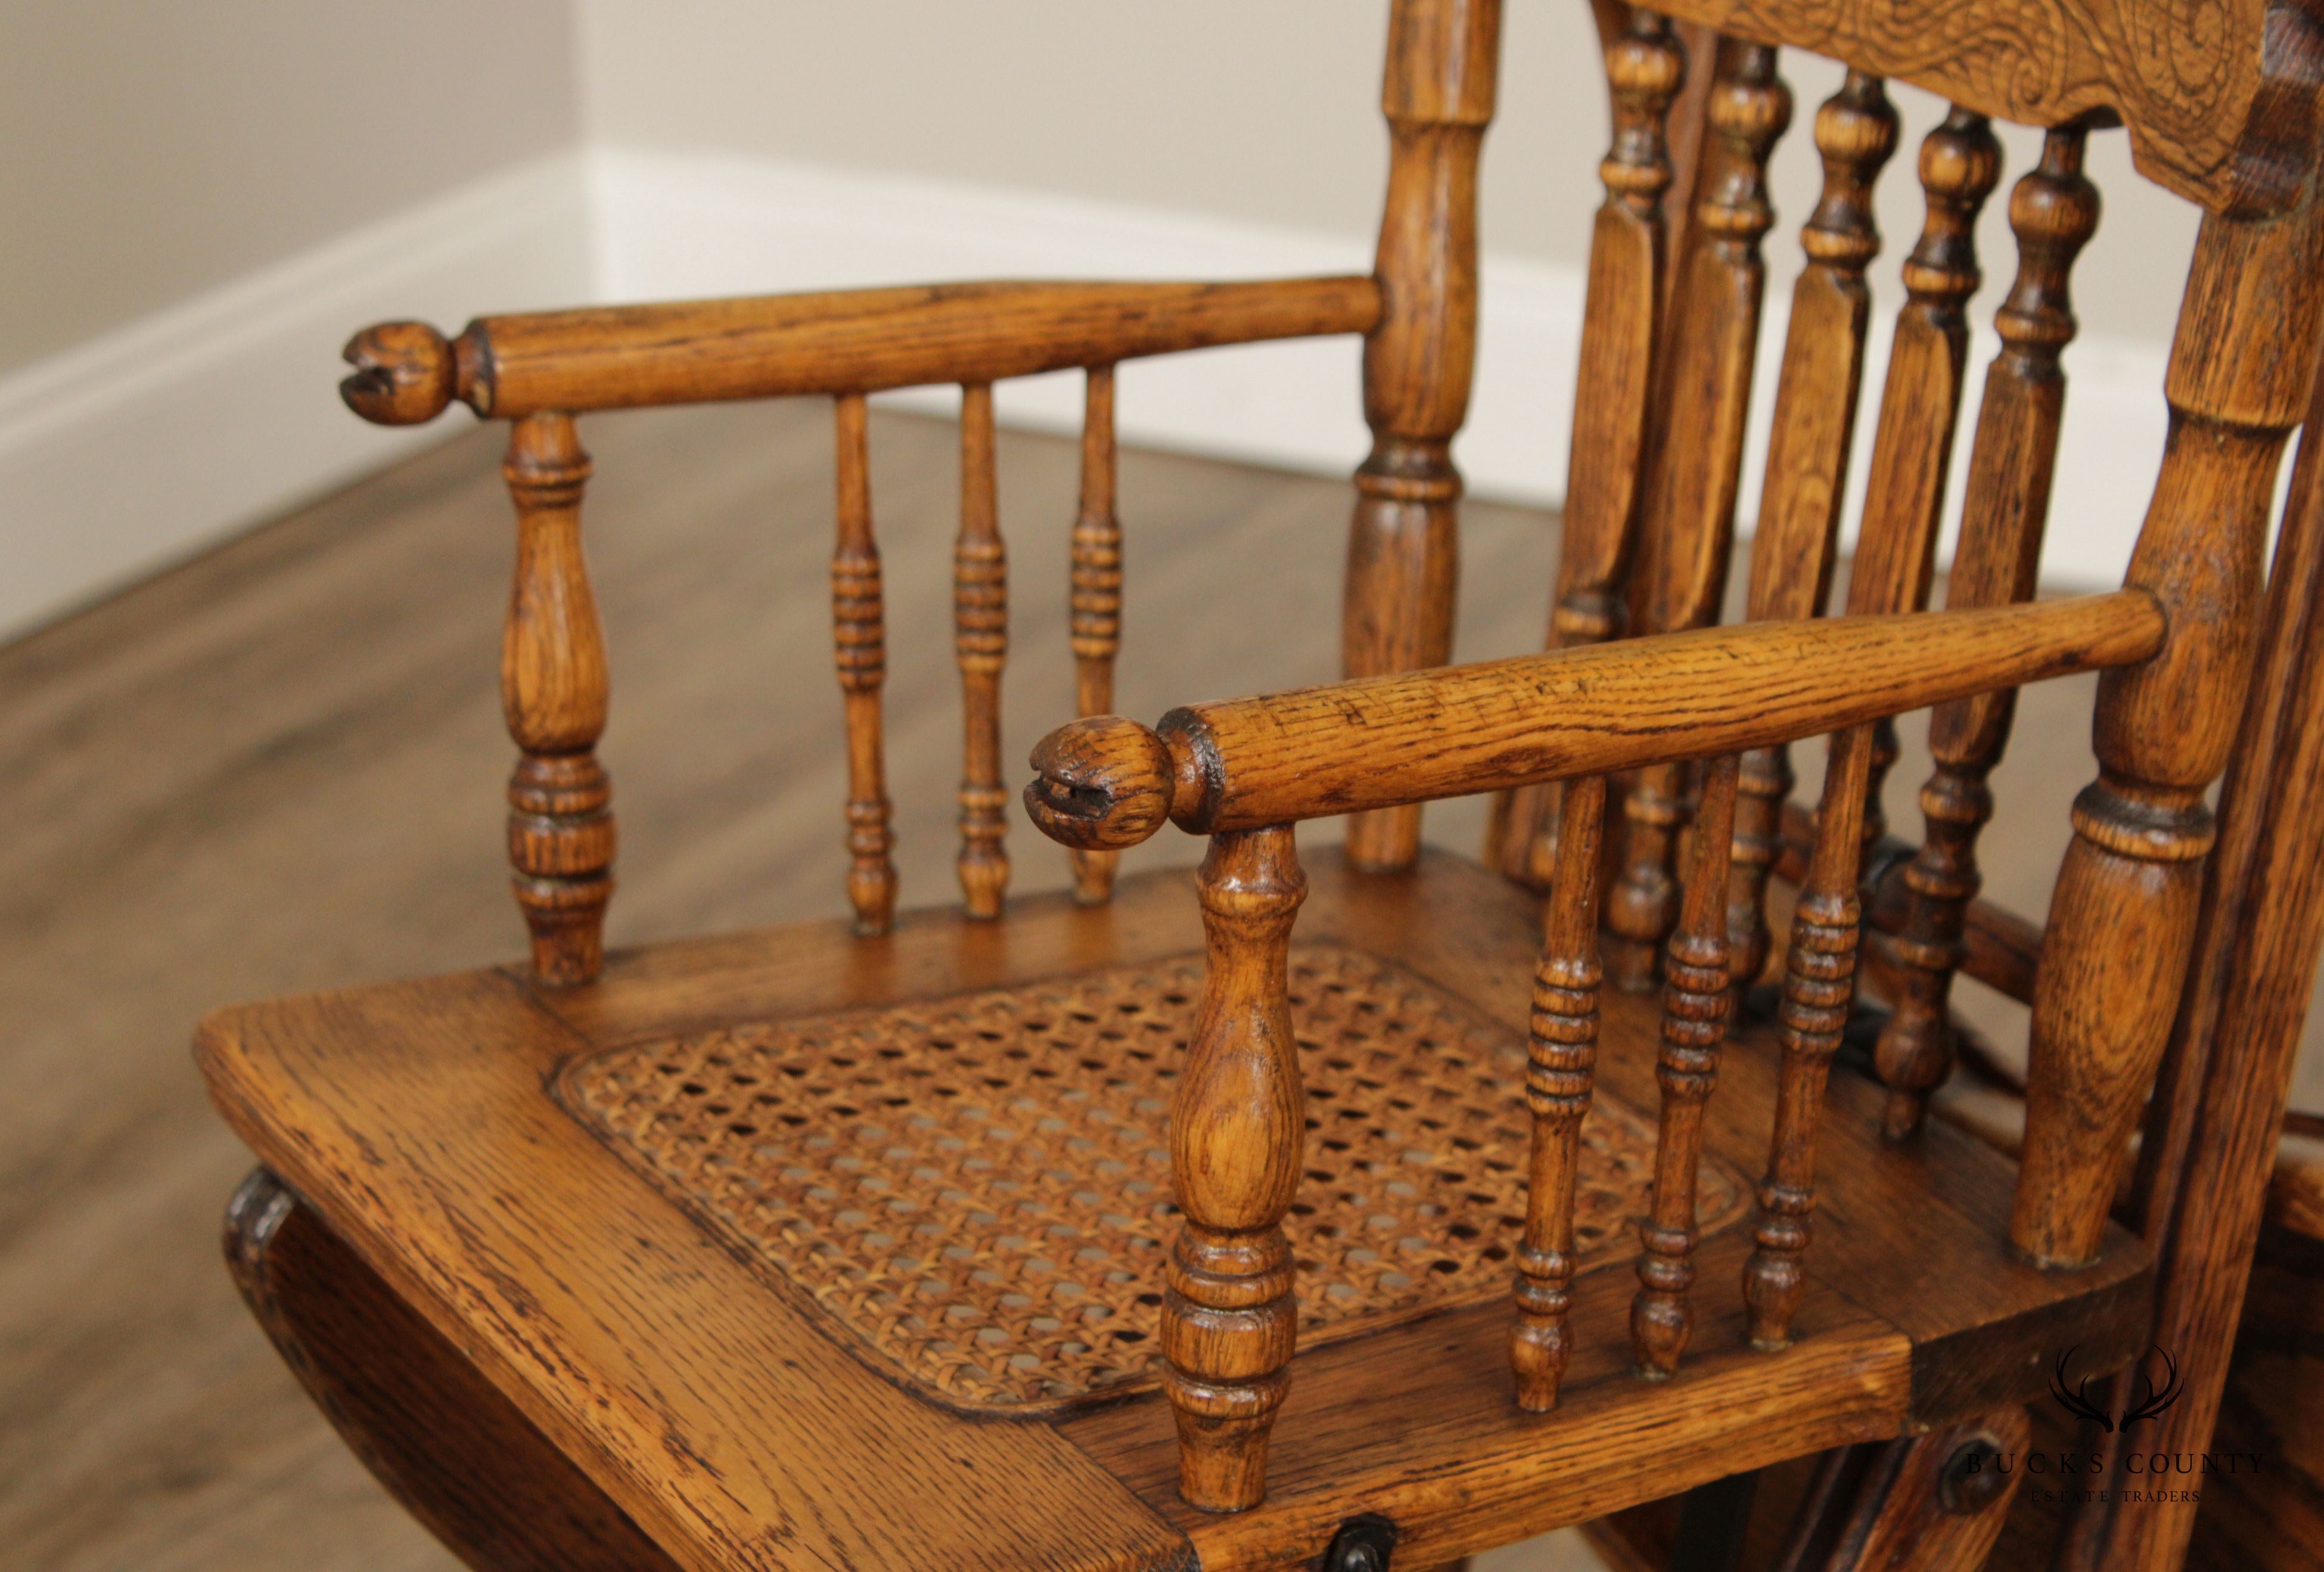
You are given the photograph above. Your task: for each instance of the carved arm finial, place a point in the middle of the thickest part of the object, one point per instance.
(1103, 785)
(406, 374)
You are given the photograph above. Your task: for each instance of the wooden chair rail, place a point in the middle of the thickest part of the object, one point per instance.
(1386, 741)
(844, 341)
(2219, 96)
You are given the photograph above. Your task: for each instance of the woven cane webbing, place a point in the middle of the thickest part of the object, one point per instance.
(978, 1188)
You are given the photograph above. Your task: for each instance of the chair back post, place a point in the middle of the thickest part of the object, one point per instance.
(1402, 544)
(2122, 916)
(553, 682)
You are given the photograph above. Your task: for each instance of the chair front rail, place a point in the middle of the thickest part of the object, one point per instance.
(844, 341)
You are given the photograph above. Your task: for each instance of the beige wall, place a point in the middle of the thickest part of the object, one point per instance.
(1263, 110)
(155, 148)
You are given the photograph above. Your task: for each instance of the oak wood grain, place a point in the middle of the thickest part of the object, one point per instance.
(844, 341)
(2220, 99)
(1403, 562)
(1455, 731)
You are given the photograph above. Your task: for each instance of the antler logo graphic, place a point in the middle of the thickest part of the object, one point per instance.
(2144, 1399)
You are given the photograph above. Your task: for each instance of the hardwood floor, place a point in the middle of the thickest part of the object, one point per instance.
(278, 767)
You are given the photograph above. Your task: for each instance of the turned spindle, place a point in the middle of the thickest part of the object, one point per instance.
(560, 830)
(1911, 447)
(1695, 1005)
(1402, 540)
(860, 644)
(980, 610)
(1644, 67)
(1562, 1056)
(1819, 988)
(1794, 545)
(2053, 210)
(1229, 1316)
(2122, 916)
(1096, 601)
(1690, 500)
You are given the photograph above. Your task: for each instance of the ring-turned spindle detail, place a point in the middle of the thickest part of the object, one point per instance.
(1792, 549)
(859, 641)
(1237, 1124)
(1097, 597)
(560, 826)
(1696, 1001)
(1819, 988)
(2053, 210)
(1644, 69)
(1912, 449)
(980, 609)
(1689, 502)
(1561, 1057)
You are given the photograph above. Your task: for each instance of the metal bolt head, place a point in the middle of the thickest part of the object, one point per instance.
(1973, 1478)
(1361, 1545)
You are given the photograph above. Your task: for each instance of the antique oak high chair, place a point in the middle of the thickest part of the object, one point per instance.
(828, 1248)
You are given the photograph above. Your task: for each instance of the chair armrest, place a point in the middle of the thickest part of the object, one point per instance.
(847, 341)
(1384, 741)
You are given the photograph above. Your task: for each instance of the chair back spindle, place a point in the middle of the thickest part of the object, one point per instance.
(2054, 211)
(1689, 502)
(1818, 991)
(1794, 546)
(1560, 1060)
(553, 682)
(1696, 1001)
(1237, 1128)
(1896, 558)
(1912, 446)
(1096, 597)
(860, 644)
(1402, 542)
(980, 602)
(1644, 67)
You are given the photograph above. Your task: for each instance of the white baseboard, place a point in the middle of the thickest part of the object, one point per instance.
(132, 449)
